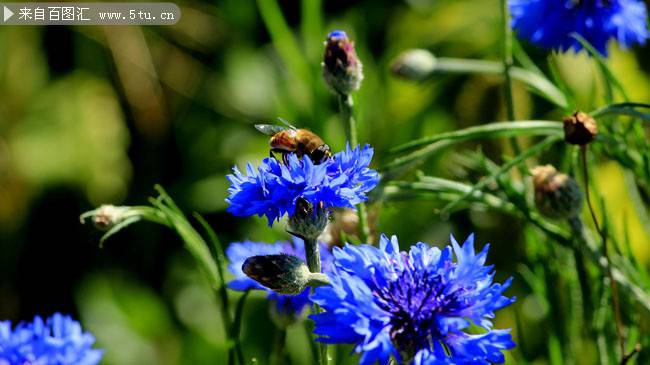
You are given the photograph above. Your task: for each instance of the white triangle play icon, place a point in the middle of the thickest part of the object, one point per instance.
(8, 13)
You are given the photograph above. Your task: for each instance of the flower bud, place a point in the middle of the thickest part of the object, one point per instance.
(344, 225)
(580, 128)
(414, 64)
(284, 274)
(308, 222)
(342, 69)
(107, 216)
(557, 195)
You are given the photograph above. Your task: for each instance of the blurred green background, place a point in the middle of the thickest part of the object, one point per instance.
(92, 115)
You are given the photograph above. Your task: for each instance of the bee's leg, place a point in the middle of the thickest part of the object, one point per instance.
(285, 158)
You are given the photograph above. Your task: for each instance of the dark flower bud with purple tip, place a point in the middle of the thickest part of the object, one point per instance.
(342, 69)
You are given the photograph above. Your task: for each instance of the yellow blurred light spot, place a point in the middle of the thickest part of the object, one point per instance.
(612, 186)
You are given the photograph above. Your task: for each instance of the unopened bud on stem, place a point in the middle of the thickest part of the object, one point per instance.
(414, 64)
(106, 216)
(342, 69)
(557, 195)
(284, 274)
(308, 222)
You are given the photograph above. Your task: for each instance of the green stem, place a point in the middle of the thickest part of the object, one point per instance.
(346, 108)
(314, 265)
(236, 327)
(218, 253)
(583, 276)
(278, 348)
(318, 279)
(313, 255)
(507, 66)
(538, 83)
(612, 283)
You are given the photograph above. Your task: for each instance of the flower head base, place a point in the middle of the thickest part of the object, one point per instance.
(286, 307)
(342, 69)
(551, 23)
(413, 305)
(275, 189)
(557, 195)
(308, 221)
(57, 341)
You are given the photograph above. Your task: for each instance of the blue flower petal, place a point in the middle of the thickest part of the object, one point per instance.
(59, 340)
(389, 303)
(550, 23)
(273, 189)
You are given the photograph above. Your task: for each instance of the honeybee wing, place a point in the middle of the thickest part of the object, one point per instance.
(287, 123)
(270, 129)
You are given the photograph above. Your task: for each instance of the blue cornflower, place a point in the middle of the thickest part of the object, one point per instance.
(57, 341)
(413, 306)
(274, 188)
(550, 23)
(290, 305)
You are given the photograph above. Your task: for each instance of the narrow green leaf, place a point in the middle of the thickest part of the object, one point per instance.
(167, 199)
(118, 227)
(284, 40)
(443, 186)
(411, 160)
(620, 109)
(533, 151)
(217, 251)
(559, 81)
(193, 242)
(490, 130)
(218, 255)
(537, 82)
(602, 64)
(522, 57)
(311, 26)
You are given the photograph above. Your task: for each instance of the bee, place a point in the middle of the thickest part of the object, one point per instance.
(302, 142)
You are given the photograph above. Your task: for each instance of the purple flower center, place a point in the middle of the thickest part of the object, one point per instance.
(414, 300)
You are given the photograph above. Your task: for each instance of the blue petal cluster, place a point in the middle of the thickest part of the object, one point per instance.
(274, 188)
(550, 23)
(413, 306)
(57, 341)
(238, 252)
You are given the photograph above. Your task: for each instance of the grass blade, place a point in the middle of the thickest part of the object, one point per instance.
(604, 68)
(621, 109)
(533, 151)
(538, 83)
(491, 130)
(284, 40)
